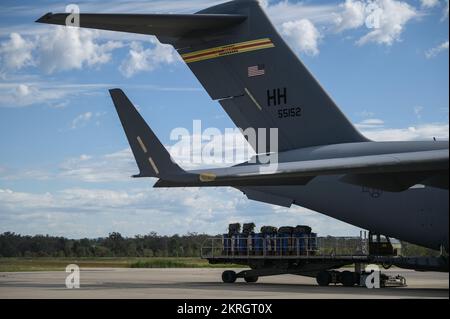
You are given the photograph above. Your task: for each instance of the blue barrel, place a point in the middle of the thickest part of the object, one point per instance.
(313, 241)
(235, 244)
(268, 242)
(243, 244)
(226, 242)
(274, 244)
(257, 244)
(240, 244)
(284, 241)
(300, 239)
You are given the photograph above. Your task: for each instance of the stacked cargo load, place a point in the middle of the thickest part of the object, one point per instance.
(226, 244)
(248, 228)
(269, 235)
(301, 234)
(233, 233)
(269, 230)
(285, 240)
(239, 241)
(248, 231)
(234, 229)
(313, 243)
(257, 244)
(241, 244)
(272, 241)
(302, 229)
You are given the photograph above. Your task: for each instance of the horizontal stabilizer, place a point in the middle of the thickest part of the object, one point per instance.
(391, 172)
(165, 25)
(234, 181)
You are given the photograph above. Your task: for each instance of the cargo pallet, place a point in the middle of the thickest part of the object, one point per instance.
(271, 256)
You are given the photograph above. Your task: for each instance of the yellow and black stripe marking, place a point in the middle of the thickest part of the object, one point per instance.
(207, 177)
(229, 49)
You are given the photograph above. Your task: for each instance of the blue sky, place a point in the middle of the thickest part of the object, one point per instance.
(64, 160)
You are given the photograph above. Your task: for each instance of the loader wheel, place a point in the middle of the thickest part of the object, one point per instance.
(229, 276)
(251, 279)
(348, 278)
(323, 278)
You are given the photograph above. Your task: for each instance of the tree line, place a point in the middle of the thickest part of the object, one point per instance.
(115, 245)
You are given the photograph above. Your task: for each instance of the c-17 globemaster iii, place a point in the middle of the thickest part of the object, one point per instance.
(399, 189)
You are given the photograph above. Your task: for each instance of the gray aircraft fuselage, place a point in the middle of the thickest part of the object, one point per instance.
(418, 215)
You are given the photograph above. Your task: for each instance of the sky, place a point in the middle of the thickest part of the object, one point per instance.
(65, 164)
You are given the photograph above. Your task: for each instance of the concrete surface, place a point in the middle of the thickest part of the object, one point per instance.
(204, 283)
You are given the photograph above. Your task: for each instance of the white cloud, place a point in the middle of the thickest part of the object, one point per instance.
(31, 174)
(56, 95)
(140, 59)
(431, 53)
(84, 157)
(284, 11)
(81, 120)
(366, 114)
(376, 130)
(25, 94)
(68, 48)
(303, 34)
(386, 19)
(370, 123)
(351, 16)
(23, 90)
(114, 167)
(16, 53)
(418, 111)
(59, 49)
(393, 16)
(412, 133)
(429, 3)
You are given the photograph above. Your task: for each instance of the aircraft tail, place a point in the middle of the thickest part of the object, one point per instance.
(261, 83)
(151, 156)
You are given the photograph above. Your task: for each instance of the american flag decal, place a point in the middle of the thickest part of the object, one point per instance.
(256, 70)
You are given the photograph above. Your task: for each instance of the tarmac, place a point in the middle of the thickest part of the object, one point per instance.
(198, 283)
